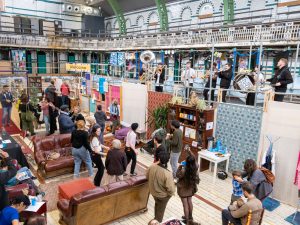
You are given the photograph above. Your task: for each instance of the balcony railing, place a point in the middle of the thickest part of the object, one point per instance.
(269, 34)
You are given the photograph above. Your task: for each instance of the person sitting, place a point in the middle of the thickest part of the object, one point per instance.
(10, 214)
(36, 220)
(116, 162)
(9, 173)
(76, 115)
(66, 125)
(240, 216)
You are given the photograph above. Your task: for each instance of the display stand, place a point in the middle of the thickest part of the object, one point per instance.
(35, 86)
(196, 127)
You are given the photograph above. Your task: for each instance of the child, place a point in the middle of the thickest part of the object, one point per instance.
(237, 188)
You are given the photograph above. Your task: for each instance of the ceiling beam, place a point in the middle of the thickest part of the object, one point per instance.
(120, 16)
(163, 14)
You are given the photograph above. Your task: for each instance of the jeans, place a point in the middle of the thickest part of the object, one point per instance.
(99, 164)
(227, 217)
(64, 99)
(6, 114)
(131, 156)
(160, 207)
(174, 157)
(47, 123)
(224, 95)
(81, 154)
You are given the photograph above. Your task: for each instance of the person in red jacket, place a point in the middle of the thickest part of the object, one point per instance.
(65, 92)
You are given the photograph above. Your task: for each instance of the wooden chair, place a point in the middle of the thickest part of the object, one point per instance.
(259, 213)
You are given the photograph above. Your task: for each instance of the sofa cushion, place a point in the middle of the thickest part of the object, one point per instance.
(117, 186)
(137, 180)
(62, 162)
(69, 189)
(47, 144)
(89, 195)
(64, 140)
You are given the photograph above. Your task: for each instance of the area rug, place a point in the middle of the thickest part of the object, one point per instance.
(12, 129)
(50, 187)
(270, 204)
(292, 220)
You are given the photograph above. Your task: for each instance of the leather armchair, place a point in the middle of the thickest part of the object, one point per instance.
(105, 204)
(43, 147)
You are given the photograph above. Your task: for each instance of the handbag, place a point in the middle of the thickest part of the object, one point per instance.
(222, 175)
(29, 117)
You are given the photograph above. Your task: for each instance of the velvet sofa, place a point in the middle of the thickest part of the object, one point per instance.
(105, 204)
(44, 147)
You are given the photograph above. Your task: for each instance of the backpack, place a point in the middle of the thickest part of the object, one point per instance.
(268, 174)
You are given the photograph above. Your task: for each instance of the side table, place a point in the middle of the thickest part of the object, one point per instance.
(212, 158)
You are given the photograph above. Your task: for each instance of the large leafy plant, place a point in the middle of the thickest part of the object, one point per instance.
(158, 117)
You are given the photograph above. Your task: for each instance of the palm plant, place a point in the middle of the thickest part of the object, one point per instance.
(158, 117)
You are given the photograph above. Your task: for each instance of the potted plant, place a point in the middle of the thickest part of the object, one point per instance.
(158, 118)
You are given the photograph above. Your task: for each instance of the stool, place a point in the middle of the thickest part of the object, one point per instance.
(69, 189)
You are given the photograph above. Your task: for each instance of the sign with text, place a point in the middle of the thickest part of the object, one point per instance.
(78, 67)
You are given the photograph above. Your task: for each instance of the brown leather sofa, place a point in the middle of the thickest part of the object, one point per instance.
(43, 147)
(104, 204)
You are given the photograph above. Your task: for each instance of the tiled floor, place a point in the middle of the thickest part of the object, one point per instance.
(208, 194)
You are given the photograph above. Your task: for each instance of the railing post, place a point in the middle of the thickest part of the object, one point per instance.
(256, 84)
(211, 72)
(295, 66)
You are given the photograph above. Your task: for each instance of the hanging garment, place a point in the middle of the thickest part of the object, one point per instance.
(297, 175)
(268, 159)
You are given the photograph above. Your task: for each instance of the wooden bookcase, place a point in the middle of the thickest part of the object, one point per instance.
(196, 127)
(35, 82)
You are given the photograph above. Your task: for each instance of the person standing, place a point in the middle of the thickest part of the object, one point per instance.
(188, 179)
(281, 79)
(101, 118)
(240, 216)
(65, 92)
(213, 83)
(5, 176)
(175, 143)
(114, 111)
(159, 146)
(116, 162)
(159, 77)
(53, 113)
(50, 92)
(26, 108)
(161, 184)
(81, 149)
(225, 82)
(130, 149)
(45, 109)
(66, 125)
(187, 78)
(97, 153)
(256, 79)
(6, 102)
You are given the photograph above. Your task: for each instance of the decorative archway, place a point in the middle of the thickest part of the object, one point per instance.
(186, 13)
(205, 9)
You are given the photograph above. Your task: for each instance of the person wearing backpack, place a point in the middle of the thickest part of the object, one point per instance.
(261, 185)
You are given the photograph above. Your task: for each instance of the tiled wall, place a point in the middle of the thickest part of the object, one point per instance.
(238, 127)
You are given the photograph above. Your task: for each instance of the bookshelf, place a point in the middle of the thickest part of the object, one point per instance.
(35, 86)
(196, 127)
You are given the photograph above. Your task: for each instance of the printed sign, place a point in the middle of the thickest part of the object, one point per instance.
(78, 67)
(245, 84)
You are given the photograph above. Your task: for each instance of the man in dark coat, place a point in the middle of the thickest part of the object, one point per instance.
(66, 125)
(226, 77)
(116, 162)
(281, 79)
(159, 78)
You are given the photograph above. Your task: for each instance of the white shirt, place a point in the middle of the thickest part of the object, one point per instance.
(131, 139)
(157, 79)
(96, 146)
(188, 76)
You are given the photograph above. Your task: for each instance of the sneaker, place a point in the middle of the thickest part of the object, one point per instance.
(133, 174)
(125, 174)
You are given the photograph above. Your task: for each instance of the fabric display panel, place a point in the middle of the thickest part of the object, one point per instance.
(92, 105)
(134, 104)
(117, 58)
(156, 99)
(238, 128)
(19, 60)
(281, 123)
(114, 92)
(85, 103)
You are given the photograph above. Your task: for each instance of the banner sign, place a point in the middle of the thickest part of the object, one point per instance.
(78, 67)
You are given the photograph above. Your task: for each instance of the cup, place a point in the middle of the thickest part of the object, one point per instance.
(4, 145)
(33, 201)
(183, 163)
